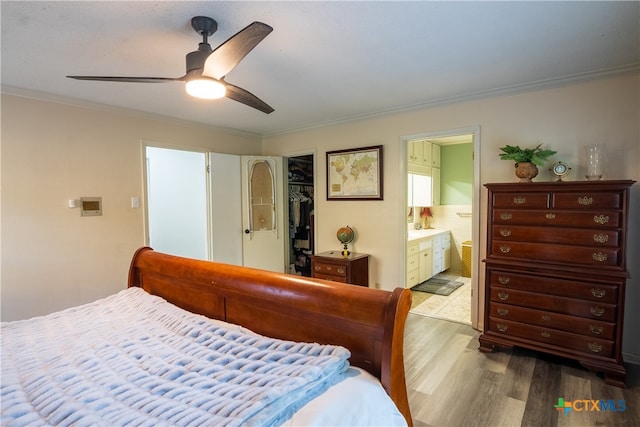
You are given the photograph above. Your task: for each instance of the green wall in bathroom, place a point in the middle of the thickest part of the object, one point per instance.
(456, 180)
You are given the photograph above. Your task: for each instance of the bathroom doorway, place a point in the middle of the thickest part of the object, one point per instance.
(448, 292)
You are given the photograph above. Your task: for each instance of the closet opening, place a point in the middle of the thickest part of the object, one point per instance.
(300, 181)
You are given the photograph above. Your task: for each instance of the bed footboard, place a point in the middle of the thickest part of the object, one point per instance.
(369, 322)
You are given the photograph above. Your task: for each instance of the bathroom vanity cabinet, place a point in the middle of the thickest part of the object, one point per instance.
(428, 253)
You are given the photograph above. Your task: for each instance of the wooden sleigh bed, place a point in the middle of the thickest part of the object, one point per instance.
(369, 323)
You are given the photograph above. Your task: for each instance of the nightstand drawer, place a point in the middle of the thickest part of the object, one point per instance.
(341, 279)
(329, 269)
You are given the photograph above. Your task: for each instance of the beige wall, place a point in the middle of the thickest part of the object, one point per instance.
(565, 119)
(51, 257)
(52, 152)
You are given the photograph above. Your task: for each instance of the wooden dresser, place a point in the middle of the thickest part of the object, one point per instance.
(334, 266)
(556, 271)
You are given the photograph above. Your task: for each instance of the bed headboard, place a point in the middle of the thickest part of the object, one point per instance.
(369, 322)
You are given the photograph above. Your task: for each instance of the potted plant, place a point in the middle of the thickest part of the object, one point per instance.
(526, 160)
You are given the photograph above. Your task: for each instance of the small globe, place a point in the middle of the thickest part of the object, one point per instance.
(345, 234)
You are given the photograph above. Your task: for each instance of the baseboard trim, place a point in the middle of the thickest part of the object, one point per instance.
(631, 358)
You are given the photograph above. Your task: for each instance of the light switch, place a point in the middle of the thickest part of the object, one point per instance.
(135, 202)
(73, 203)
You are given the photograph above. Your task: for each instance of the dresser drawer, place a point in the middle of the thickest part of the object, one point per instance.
(578, 255)
(588, 345)
(569, 236)
(329, 269)
(563, 322)
(333, 278)
(592, 291)
(587, 309)
(555, 218)
(519, 200)
(587, 200)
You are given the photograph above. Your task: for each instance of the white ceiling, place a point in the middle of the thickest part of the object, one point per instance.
(325, 62)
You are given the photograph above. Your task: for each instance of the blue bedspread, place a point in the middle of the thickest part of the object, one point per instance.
(133, 359)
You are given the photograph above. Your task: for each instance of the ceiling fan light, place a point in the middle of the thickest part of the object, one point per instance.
(205, 88)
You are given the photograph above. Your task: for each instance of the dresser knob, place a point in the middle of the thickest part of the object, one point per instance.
(519, 200)
(599, 257)
(503, 296)
(585, 201)
(601, 219)
(341, 270)
(546, 317)
(596, 329)
(502, 327)
(550, 215)
(506, 216)
(595, 347)
(503, 312)
(505, 249)
(505, 232)
(597, 311)
(600, 238)
(598, 293)
(504, 280)
(545, 334)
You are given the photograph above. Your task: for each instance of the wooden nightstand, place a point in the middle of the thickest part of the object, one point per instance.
(332, 265)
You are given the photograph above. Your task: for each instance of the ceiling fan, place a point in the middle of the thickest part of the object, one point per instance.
(206, 68)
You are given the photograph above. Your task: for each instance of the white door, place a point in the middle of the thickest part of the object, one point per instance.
(177, 202)
(263, 243)
(226, 208)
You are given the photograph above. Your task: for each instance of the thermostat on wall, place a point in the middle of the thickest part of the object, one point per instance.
(91, 206)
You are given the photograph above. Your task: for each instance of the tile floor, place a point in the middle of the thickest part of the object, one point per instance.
(455, 307)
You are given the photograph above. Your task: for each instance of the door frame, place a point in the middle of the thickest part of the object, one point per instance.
(285, 156)
(477, 296)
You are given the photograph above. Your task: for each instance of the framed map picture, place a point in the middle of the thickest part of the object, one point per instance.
(355, 174)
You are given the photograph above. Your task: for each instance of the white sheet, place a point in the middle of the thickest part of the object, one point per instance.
(359, 400)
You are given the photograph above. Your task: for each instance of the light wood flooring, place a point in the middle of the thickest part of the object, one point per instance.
(450, 383)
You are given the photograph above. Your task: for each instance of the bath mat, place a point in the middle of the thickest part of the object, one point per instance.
(438, 286)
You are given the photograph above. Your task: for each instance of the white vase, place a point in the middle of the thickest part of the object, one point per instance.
(595, 162)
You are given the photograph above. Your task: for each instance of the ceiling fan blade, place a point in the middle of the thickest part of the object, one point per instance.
(129, 79)
(226, 56)
(245, 97)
